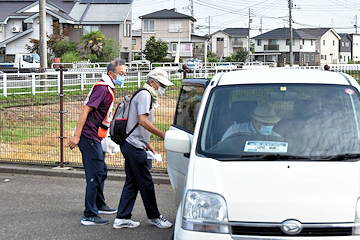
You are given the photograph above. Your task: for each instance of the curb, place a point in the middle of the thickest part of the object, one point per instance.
(70, 172)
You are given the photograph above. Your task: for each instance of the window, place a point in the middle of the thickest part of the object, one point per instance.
(189, 103)
(28, 58)
(347, 44)
(90, 28)
(312, 42)
(312, 57)
(185, 47)
(343, 44)
(288, 42)
(149, 26)
(133, 41)
(175, 27)
(219, 39)
(127, 30)
(272, 41)
(259, 42)
(324, 42)
(173, 47)
(333, 42)
(339, 113)
(303, 42)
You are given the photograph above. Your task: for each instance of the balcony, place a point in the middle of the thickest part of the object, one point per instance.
(271, 47)
(237, 43)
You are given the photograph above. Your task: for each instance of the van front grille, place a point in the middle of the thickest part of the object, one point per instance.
(306, 231)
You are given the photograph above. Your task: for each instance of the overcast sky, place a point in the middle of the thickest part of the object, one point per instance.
(265, 14)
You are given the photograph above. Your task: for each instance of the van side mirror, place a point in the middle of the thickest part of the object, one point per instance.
(177, 141)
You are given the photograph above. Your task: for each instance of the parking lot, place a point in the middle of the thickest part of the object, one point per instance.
(45, 207)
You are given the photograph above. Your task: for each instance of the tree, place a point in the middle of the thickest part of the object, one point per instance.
(92, 44)
(155, 50)
(211, 56)
(240, 55)
(110, 50)
(53, 39)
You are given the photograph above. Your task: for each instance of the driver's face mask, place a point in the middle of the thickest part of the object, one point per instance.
(266, 130)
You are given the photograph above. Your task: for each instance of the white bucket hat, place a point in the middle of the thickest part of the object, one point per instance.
(265, 113)
(161, 76)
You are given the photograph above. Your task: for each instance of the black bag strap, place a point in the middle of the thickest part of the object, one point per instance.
(137, 124)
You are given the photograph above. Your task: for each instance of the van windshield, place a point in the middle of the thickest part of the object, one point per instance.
(291, 120)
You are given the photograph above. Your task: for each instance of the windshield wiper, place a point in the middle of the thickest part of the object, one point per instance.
(339, 157)
(267, 157)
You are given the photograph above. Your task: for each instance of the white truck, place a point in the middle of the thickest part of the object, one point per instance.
(23, 62)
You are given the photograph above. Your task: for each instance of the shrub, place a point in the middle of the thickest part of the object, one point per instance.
(70, 57)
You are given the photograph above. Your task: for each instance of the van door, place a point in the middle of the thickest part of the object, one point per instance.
(185, 119)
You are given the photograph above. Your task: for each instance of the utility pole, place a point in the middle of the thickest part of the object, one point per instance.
(42, 37)
(209, 25)
(191, 5)
(355, 25)
(291, 34)
(250, 21)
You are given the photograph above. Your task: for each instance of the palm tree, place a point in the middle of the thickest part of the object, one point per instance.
(93, 43)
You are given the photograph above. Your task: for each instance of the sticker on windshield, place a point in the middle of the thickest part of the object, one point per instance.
(349, 91)
(266, 146)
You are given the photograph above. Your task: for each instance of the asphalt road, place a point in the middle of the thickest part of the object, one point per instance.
(43, 207)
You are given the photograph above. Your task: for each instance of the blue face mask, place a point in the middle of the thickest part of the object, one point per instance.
(198, 98)
(266, 130)
(119, 80)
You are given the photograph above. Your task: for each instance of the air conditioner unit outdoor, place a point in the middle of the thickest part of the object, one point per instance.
(317, 51)
(15, 29)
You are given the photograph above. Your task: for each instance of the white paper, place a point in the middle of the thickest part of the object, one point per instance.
(266, 146)
(156, 156)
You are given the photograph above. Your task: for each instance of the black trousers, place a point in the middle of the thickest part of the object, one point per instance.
(96, 172)
(138, 178)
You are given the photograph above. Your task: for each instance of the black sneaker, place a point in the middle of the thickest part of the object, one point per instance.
(93, 221)
(107, 210)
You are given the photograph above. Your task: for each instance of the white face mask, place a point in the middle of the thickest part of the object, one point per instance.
(160, 91)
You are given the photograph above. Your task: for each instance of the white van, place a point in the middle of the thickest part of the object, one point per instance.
(297, 177)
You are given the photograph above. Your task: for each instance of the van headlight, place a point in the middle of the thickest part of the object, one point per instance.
(205, 212)
(356, 230)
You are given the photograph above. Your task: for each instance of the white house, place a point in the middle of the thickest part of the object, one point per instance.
(226, 42)
(355, 50)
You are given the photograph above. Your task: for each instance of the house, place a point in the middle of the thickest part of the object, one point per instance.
(327, 44)
(355, 48)
(19, 22)
(111, 17)
(171, 27)
(273, 46)
(227, 41)
(311, 46)
(136, 44)
(345, 48)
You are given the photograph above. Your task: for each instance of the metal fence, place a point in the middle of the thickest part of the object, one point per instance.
(30, 113)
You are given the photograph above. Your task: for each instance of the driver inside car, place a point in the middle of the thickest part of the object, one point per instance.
(263, 120)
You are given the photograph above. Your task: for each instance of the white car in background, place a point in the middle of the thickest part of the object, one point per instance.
(303, 183)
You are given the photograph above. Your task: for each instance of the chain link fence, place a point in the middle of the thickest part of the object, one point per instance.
(30, 129)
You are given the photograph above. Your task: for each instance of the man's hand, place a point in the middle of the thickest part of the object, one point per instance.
(149, 147)
(73, 142)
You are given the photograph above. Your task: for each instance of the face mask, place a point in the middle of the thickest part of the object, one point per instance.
(198, 98)
(160, 91)
(119, 80)
(266, 130)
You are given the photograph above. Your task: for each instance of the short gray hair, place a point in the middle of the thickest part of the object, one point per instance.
(113, 64)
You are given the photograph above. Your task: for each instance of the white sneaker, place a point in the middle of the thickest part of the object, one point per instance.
(125, 223)
(160, 222)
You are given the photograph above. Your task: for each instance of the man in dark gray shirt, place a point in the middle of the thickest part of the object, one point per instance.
(137, 166)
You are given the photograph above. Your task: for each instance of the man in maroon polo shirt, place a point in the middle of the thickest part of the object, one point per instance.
(94, 112)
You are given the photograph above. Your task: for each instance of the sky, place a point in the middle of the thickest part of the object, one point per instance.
(266, 15)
